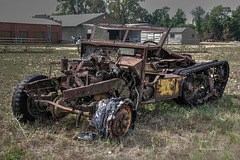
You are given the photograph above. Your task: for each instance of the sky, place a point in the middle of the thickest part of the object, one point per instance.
(9, 8)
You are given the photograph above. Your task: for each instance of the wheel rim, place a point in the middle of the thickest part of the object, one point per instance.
(35, 109)
(120, 125)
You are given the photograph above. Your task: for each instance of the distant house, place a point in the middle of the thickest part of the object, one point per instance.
(27, 30)
(176, 36)
(182, 36)
(81, 25)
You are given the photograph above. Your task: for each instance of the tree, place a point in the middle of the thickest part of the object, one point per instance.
(141, 16)
(188, 26)
(179, 19)
(160, 17)
(80, 6)
(218, 19)
(205, 27)
(65, 7)
(127, 11)
(226, 23)
(97, 6)
(234, 25)
(198, 16)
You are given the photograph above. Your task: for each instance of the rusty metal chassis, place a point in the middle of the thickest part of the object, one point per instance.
(108, 86)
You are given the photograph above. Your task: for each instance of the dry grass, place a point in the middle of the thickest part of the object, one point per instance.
(163, 130)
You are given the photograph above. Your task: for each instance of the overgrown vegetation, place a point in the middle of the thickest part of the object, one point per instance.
(163, 130)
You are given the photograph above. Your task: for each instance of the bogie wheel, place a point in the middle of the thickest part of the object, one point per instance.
(222, 73)
(21, 105)
(220, 77)
(194, 89)
(119, 126)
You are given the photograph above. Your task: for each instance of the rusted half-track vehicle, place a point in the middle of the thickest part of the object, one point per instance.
(112, 78)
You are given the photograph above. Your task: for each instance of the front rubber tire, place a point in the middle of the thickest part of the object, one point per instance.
(20, 98)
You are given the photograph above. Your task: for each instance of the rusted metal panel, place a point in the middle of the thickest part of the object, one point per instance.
(134, 63)
(117, 44)
(168, 87)
(92, 89)
(129, 61)
(43, 84)
(151, 68)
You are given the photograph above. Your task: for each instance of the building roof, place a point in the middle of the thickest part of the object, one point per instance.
(173, 30)
(27, 20)
(177, 30)
(74, 20)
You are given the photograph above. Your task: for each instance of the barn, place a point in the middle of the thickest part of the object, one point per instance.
(176, 36)
(81, 25)
(182, 36)
(29, 30)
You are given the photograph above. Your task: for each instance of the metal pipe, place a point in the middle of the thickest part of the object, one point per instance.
(137, 98)
(134, 81)
(57, 105)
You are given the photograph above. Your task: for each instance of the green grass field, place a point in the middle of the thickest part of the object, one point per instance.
(164, 130)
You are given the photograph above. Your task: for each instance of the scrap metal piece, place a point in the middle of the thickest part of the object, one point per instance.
(78, 119)
(93, 89)
(64, 64)
(84, 136)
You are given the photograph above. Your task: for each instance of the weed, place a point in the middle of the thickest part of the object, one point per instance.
(228, 155)
(233, 137)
